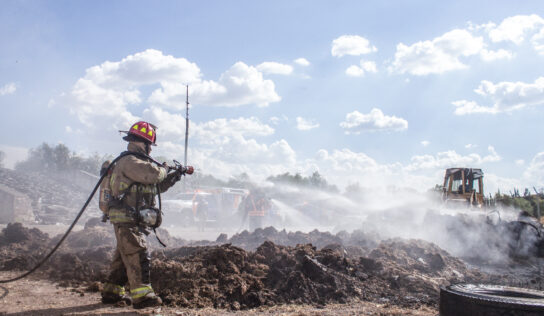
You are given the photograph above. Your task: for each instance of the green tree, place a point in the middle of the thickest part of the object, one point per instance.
(46, 158)
(313, 181)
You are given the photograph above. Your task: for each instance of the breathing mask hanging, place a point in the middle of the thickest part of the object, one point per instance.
(150, 217)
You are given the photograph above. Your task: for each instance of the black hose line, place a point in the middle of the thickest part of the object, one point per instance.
(70, 228)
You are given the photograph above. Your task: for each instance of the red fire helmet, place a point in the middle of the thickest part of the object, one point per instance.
(143, 130)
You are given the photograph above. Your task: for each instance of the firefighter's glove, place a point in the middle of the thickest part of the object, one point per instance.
(185, 170)
(177, 176)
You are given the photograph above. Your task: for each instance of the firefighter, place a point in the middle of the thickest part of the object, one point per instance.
(255, 206)
(135, 180)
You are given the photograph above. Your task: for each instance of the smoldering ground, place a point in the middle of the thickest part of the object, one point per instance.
(493, 235)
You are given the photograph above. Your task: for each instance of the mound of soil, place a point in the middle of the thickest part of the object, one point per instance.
(21, 248)
(403, 273)
(84, 256)
(406, 273)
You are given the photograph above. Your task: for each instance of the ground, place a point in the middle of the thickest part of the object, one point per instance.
(32, 296)
(266, 272)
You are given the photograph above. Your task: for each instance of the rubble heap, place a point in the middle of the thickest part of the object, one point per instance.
(20, 247)
(406, 273)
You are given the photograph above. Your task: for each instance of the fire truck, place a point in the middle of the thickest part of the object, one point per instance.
(220, 205)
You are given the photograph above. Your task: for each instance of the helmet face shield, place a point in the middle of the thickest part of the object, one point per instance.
(143, 131)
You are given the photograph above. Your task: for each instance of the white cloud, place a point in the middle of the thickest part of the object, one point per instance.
(506, 96)
(425, 143)
(469, 146)
(357, 122)
(515, 28)
(351, 45)
(538, 41)
(239, 85)
(276, 120)
(244, 85)
(355, 71)
(171, 127)
(489, 55)
(359, 71)
(8, 88)
(89, 101)
(304, 124)
(450, 158)
(534, 174)
(369, 66)
(70, 130)
(422, 173)
(302, 62)
(520, 162)
(463, 107)
(347, 160)
(218, 130)
(347, 166)
(223, 147)
(274, 68)
(239, 150)
(113, 95)
(109, 91)
(438, 55)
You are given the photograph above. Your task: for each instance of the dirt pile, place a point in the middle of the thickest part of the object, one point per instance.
(417, 267)
(20, 247)
(401, 273)
(84, 256)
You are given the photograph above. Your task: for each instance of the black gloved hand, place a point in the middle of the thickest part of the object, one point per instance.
(178, 174)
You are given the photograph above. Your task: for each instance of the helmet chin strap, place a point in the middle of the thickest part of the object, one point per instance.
(147, 148)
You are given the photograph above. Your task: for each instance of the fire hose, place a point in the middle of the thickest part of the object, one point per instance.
(39, 264)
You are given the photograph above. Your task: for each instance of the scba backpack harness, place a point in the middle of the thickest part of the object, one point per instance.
(149, 217)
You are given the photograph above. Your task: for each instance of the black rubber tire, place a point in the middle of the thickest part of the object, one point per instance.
(490, 300)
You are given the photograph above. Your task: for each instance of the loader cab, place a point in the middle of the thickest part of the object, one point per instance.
(464, 185)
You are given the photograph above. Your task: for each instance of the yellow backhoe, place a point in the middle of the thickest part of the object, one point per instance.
(464, 186)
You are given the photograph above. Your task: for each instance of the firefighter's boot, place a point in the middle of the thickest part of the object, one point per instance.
(113, 294)
(149, 300)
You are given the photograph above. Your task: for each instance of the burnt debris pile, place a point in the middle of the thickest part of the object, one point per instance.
(405, 273)
(20, 247)
(346, 267)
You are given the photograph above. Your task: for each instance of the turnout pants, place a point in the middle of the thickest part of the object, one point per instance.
(131, 262)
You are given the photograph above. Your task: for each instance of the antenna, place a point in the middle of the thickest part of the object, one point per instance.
(186, 130)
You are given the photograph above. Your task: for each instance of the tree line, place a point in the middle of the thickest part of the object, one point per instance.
(59, 158)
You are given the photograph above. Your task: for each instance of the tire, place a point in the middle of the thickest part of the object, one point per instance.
(490, 300)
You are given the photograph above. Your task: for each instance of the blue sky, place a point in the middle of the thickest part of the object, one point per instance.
(375, 92)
